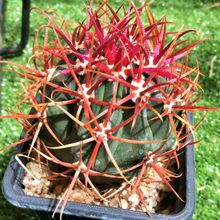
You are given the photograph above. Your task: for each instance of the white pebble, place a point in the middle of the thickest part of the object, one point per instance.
(134, 199)
(124, 204)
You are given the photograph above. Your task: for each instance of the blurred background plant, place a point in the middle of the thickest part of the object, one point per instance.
(202, 15)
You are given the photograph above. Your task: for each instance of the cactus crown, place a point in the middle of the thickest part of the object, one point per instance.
(110, 97)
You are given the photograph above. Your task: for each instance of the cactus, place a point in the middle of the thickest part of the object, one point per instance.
(117, 123)
(110, 97)
(124, 90)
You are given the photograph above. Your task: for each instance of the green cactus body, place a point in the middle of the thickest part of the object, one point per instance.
(126, 155)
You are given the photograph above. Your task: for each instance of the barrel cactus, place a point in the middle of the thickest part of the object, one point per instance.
(118, 130)
(111, 96)
(115, 91)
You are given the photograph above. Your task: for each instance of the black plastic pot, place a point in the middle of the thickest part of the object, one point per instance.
(185, 186)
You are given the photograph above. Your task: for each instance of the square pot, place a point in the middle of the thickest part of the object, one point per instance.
(185, 186)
